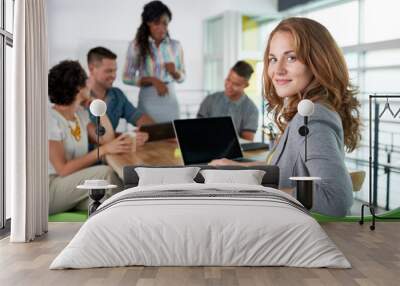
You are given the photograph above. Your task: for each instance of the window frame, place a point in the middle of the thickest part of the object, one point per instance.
(6, 39)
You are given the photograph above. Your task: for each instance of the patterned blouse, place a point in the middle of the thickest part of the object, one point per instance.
(168, 51)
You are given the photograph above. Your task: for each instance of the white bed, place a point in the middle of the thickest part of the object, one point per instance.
(249, 225)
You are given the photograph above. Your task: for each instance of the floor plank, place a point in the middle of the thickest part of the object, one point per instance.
(374, 255)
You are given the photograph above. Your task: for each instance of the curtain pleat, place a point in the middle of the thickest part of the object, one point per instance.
(15, 130)
(29, 159)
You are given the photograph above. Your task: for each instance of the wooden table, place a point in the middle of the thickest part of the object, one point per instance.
(160, 153)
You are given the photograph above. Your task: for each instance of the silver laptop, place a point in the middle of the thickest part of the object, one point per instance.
(202, 140)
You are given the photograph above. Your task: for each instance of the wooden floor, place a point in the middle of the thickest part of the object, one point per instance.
(374, 255)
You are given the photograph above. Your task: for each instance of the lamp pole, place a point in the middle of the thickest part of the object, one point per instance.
(98, 108)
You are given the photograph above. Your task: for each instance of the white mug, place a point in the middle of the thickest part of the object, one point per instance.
(132, 136)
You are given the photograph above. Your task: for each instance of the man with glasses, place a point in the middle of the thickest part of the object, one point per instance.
(234, 102)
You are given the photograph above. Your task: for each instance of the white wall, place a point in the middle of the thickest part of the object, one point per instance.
(74, 26)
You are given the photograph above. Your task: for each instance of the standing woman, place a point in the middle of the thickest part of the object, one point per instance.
(303, 61)
(154, 62)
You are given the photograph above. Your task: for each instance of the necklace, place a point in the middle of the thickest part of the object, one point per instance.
(76, 131)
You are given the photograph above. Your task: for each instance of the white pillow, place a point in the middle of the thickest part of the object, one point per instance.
(248, 177)
(165, 176)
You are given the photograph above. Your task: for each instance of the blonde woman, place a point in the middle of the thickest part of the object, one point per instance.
(303, 61)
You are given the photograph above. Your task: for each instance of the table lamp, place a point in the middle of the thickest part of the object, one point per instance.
(304, 189)
(97, 188)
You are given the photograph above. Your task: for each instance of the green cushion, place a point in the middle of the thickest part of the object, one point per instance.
(391, 214)
(72, 216)
(81, 216)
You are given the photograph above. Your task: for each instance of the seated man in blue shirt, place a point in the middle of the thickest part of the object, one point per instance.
(102, 73)
(234, 102)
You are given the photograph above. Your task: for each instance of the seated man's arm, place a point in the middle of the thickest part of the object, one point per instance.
(205, 108)
(144, 120)
(250, 123)
(132, 114)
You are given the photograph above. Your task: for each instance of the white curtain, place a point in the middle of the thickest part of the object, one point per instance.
(26, 123)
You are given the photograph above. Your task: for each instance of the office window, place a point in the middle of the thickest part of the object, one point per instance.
(251, 40)
(6, 42)
(2, 171)
(9, 12)
(213, 54)
(214, 34)
(381, 20)
(351, 60)
(382, 58)
(214, 75)
(8, 70)
(341, 20)
(266, 29)
(382, 81)
(354, 78)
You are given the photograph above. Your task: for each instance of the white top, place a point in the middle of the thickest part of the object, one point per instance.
(59, 130)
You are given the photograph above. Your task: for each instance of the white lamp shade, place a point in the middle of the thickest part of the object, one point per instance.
(305, 107)
(98, 107)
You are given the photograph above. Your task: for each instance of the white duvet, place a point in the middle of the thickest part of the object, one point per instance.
(185, 231)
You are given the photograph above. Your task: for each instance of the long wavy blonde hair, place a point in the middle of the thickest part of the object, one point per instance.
(315, 47)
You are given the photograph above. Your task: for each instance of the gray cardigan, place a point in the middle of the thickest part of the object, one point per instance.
(325, 159)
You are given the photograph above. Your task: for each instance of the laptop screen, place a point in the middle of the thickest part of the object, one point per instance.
(204, 139)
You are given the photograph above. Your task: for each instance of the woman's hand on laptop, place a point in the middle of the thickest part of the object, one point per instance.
(223, 162)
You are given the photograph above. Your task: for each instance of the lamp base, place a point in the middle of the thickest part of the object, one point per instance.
(304, 190)
(96, 195)
(304, 193)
